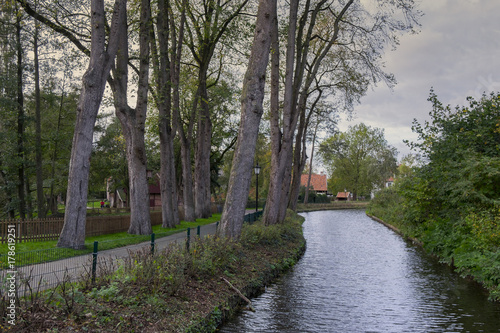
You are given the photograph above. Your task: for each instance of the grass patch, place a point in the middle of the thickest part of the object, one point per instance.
(28, 253)
(174, 290)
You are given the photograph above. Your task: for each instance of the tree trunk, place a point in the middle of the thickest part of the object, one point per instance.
(271, 209)
(187, 180)
(282, 150)
(52, 201)
(306, 195)
(38, 131)
(299, 158)
(133, 122)
(251, 113)
(20, 122)
(94, 82)
(202, 159)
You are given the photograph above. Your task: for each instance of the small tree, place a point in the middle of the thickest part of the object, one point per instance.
(360, 158)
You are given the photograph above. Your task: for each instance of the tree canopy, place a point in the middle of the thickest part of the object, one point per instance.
(359, 160)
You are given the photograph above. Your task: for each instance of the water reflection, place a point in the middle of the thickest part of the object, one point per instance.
(359, 276)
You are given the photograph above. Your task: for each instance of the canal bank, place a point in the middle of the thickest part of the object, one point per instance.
(173, 290)
(359, 276)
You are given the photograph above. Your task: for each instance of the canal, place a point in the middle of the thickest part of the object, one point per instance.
(359, 276)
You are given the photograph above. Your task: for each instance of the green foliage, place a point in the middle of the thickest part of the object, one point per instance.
(276, 234)
(452, 202)
(359, 160)
(212, 254)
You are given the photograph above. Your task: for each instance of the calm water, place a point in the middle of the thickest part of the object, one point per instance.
(359, 276)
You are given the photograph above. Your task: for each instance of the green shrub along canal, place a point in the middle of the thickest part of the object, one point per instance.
(359, 276)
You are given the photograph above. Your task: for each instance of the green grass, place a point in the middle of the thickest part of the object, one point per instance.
(29, 253)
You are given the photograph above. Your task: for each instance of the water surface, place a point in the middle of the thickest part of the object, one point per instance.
(359, 276)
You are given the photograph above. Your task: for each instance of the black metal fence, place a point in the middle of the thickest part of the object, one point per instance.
(49, 267)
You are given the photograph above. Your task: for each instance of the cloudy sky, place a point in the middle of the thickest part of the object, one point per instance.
(457, 52)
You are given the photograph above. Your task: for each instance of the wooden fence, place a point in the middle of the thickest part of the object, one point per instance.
(49, 229)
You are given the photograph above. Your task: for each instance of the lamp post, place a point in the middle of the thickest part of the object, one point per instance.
(256, 169)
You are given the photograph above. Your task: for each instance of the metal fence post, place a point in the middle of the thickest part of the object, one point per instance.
(152, 243)
(94, 261)
(188, 239)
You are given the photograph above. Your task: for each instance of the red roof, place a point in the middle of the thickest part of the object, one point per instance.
(341, 195)
(318, 182)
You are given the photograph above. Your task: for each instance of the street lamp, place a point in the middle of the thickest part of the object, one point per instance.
(256, 169)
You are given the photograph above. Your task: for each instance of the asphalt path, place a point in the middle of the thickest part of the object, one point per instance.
(48, 275)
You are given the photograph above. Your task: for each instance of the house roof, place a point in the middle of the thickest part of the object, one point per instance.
(318, 182)
(343, 195)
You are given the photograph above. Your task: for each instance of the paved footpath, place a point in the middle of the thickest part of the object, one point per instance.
(47, 275)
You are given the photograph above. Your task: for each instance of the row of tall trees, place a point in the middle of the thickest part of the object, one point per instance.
(33, 162)
(181, 56)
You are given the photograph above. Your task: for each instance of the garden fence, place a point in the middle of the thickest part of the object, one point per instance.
(50, 271)
(35, 230)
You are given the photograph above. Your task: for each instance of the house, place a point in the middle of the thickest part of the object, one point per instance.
(118, 198)
(318, 182)
(344, 196)
(155, 193)
(389, 182)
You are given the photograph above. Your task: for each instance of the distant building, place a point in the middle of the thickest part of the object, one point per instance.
(318, 182)
(389, 182)
(344, 196)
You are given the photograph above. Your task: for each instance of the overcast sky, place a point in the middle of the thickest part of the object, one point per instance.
(457, 52)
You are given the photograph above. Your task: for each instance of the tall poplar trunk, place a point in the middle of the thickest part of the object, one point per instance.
(20, 122)
(204, 144)
(306, 195)
(299, 154)
(251, 113)
(94, 82)
(133, 121)
(165, 76)
(282, 150)
(279, 188)
(40, 199)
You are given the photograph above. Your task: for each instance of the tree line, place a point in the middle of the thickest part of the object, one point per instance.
(449, 198)
(180, 63)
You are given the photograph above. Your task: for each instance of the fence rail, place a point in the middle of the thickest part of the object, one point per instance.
(35, 230)
(49, 271)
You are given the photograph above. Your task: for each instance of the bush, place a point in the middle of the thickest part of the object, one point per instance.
(274, 235)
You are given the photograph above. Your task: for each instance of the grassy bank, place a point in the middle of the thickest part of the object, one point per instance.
(172, 291)
(468, 242)
(29, 253)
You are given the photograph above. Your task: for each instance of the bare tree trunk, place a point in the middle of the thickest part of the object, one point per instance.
(133, 122)
(166, 81)
(94, 82)
(20, 121)
(306, 195)
(251, 113)
(299, 158)
(38, 131)
(52, 197)
(202, 159)
(187, 180)
(274, 198)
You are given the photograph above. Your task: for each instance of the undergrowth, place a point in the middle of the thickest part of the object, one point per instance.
(170, 290)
